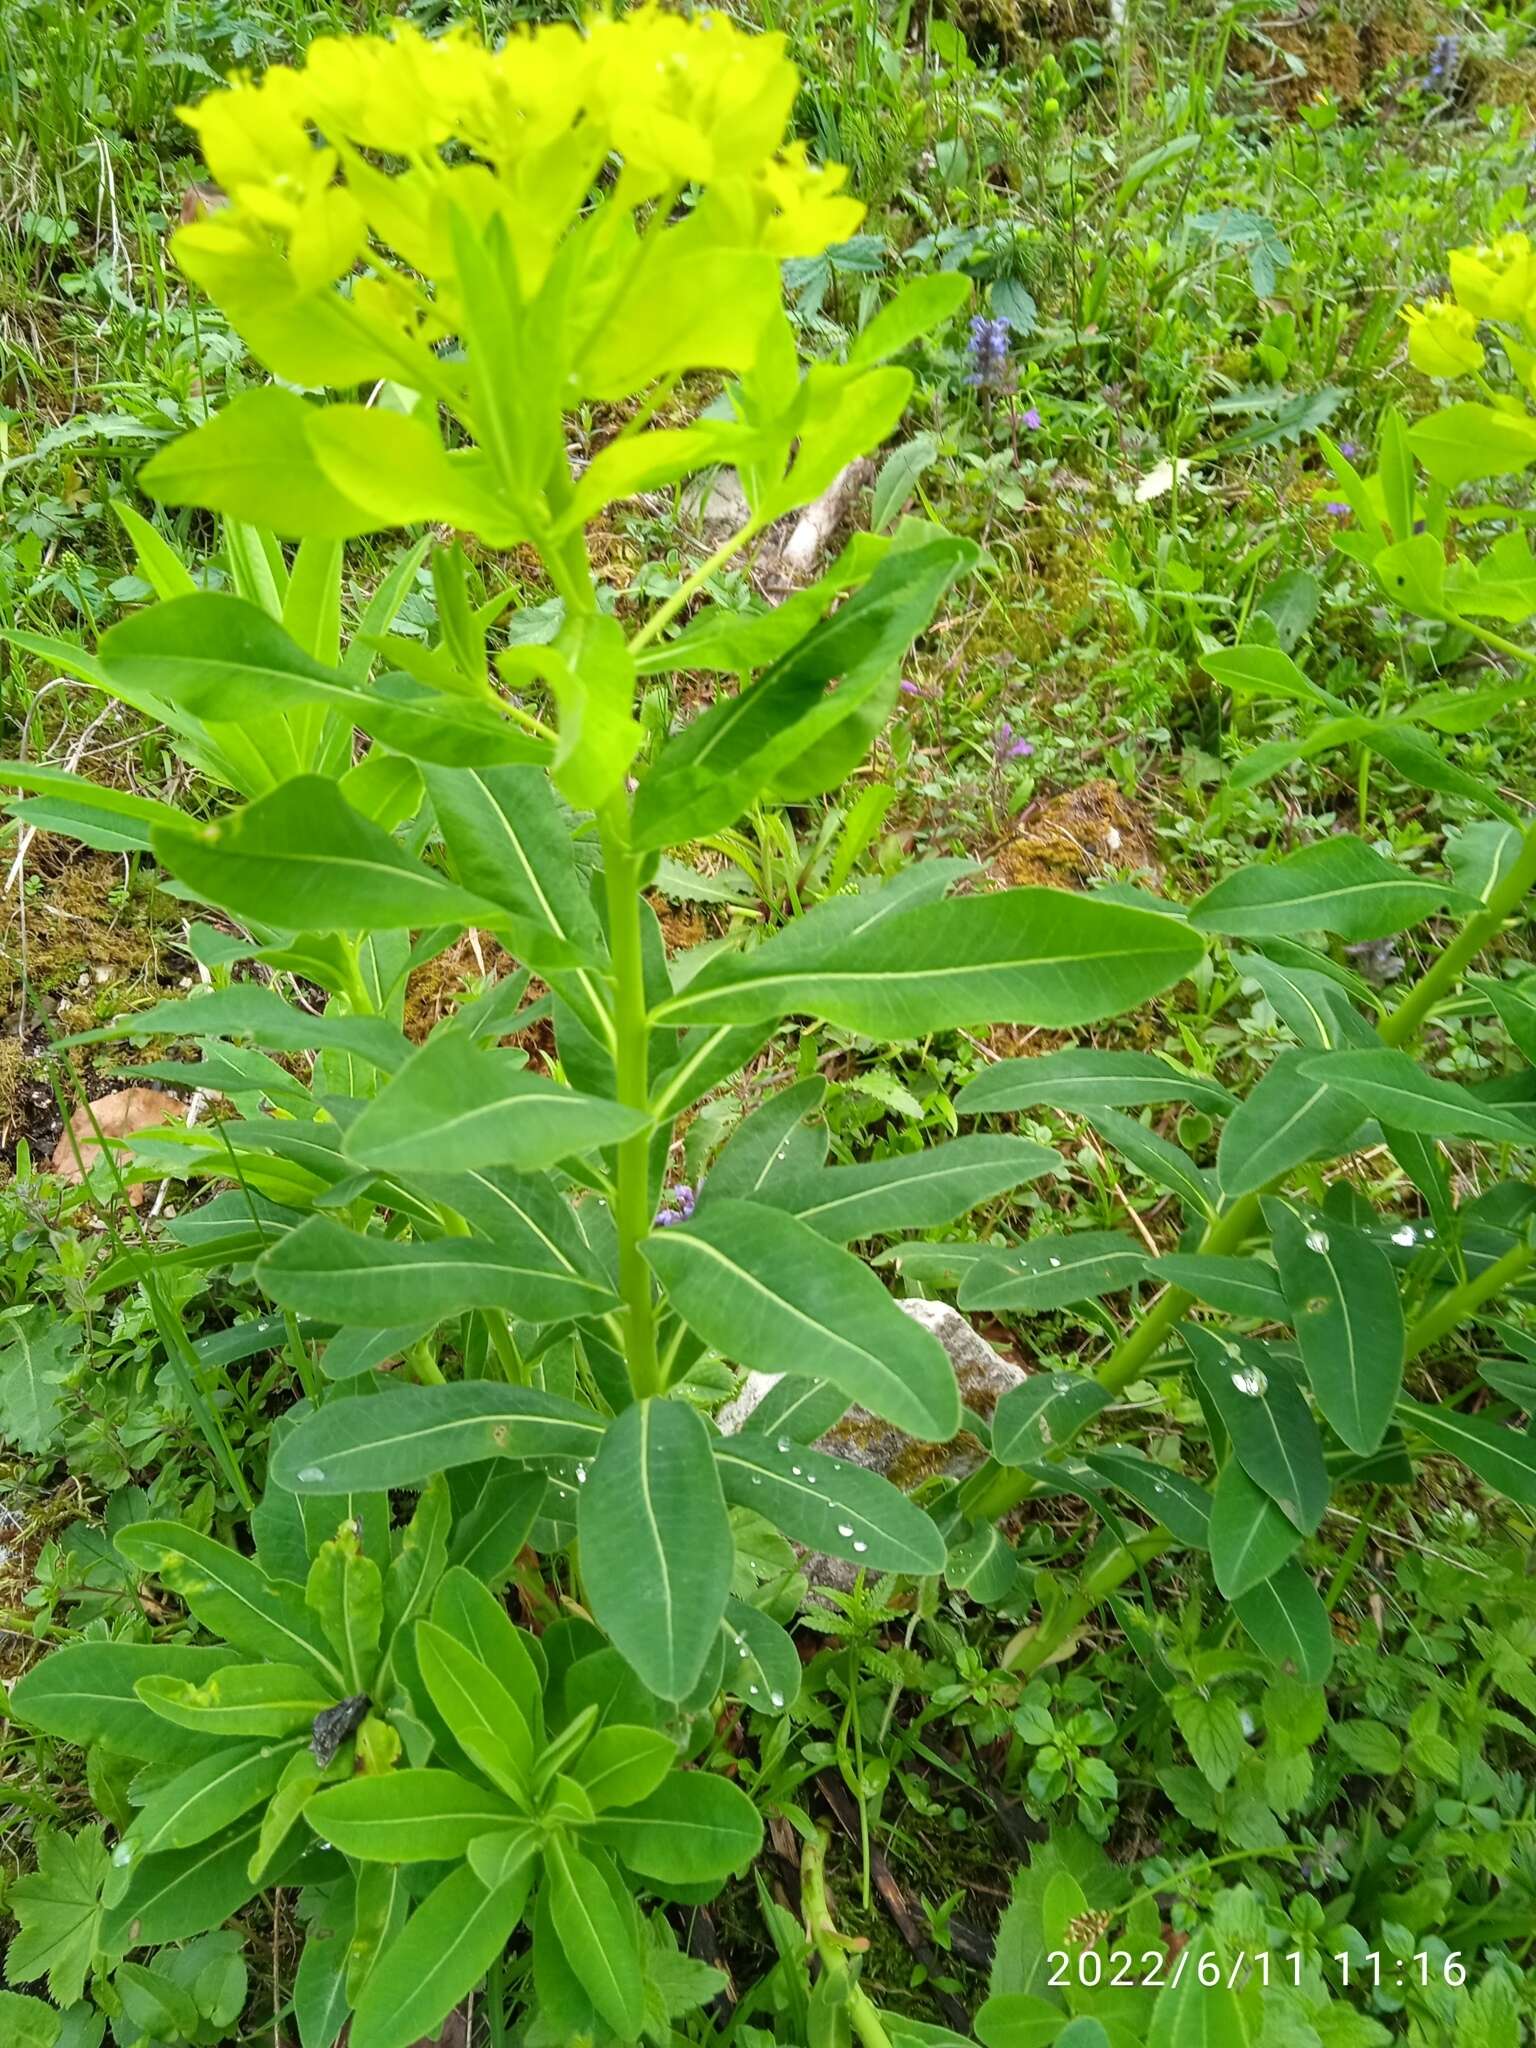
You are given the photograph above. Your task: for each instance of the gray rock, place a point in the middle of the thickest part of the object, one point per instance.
(983, 1376)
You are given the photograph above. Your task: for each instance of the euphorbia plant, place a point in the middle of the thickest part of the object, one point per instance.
(501, 238)
(581, 217)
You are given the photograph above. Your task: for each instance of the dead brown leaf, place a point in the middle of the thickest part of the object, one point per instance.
(119, 1115)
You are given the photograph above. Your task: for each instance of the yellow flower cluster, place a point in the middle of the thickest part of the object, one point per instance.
(385, 153)
(1494, 282)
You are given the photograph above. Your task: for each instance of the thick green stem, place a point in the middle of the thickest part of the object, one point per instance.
(1456, 1306)
(832, 1947)
(421, 1364)
(1032, 1649)
(1479, 931)
(632, 1202)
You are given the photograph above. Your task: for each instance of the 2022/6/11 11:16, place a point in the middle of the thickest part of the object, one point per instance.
(1363, 1970)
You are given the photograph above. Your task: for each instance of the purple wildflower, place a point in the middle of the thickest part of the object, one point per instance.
(1030, 418)
(990, 368)
(1444, 64)
(1007, 746)
(682, 1200)
(1336, 508)
(909, 689)
(1349, 450)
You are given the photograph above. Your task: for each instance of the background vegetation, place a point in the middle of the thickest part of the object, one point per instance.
(1200, 226)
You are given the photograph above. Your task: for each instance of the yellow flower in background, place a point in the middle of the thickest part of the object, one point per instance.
(1496, 281)
(1442, 339)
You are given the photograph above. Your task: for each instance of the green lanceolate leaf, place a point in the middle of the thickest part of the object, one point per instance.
(768, 1291)
(597, 1934)
(1249, 1538)
(1048, 1409)
(705, 776)
(1515, 1003)
(302, 1778)
(1177, 1501)
(454, 1106)
(482, 1716)
(443, 1951)
(1239, 1287)
(522, 1209)
(1269, 1422)
(621, 1766)
(345, 1592)
(1165, 1164)
(303, 860)
(801, 1408)
(1348, 1318)
(85, 1692)
(408, 1816)
(693, 1829)
(229, 662)
(915, 1191)
(469, 1612)
(184, 1892)
(1286, 1617)
(765, 1144)
(207, 1796)
(828, 1505)
(230, 1594)
(1055, 1271)
(323, 1269)
(1022, 956)
(1311, 1004)
(486, 1541)
(762, 1664)
(1504, 1459)
(402, 1436)
(239, 1700)
(656, 1546)
(1290, 1117)
(509, 842)
(1080, 1078)
(249, 1009)
(1392, 1086)
(1337, 885)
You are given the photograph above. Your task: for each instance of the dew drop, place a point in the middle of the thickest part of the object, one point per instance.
(1317, 1240)
(310, 1475)
(795, 1469)
(123, 1855)
(757, 1478)
(860, 1545)
(1251, 1381)
(1406, 1236)
(752, 1689)
(581, 1475)
(784, 1443)
(776, 1698)
(1055, 1262)
(845, 1528)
